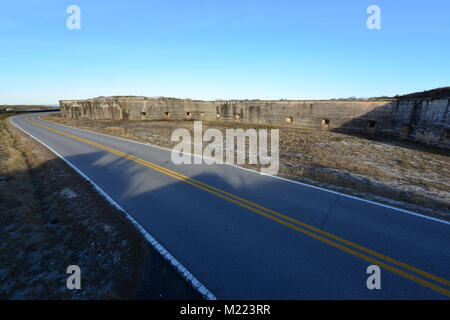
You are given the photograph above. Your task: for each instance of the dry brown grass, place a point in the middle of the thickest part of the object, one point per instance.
(395, 172)
(51, 218)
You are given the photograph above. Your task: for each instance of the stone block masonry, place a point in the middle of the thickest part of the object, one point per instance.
(421, 120)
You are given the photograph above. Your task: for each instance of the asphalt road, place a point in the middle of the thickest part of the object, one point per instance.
(249, 236)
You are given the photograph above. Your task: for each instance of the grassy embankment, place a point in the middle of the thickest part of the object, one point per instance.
(51, 218)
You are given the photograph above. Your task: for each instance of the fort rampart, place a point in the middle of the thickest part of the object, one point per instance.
(422, 120)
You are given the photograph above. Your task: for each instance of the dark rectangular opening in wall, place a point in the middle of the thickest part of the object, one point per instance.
(405, 129)
(143, 113)
(447, 134)
(371, 124)
(326, 123)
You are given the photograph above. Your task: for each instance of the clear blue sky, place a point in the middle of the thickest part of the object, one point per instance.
(208, 49)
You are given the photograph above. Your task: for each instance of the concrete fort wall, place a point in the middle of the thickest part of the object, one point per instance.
(425, 120)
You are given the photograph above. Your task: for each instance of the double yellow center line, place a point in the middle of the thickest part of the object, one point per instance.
(354, 249)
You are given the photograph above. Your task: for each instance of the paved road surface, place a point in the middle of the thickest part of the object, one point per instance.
(248, 236)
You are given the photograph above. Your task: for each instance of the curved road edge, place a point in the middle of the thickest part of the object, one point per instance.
(183, 271)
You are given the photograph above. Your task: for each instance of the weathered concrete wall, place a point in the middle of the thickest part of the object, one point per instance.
(426, 121)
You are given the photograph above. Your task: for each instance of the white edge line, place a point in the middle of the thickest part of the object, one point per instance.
(269, 175)
(185, 273)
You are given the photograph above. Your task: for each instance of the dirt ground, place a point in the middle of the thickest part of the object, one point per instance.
(51, 218)
(392, 171)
